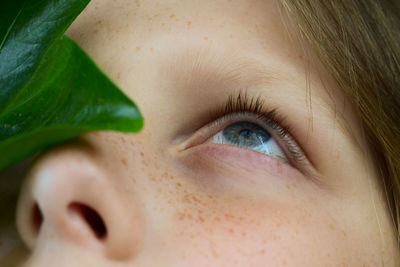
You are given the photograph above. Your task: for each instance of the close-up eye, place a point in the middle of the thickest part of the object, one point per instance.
(246, 122)
(252, 136)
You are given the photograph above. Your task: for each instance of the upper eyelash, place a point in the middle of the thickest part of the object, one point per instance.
(241, 103)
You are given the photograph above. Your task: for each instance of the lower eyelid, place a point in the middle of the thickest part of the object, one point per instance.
(238, 159)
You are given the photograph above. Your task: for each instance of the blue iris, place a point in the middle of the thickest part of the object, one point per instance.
(245, 134)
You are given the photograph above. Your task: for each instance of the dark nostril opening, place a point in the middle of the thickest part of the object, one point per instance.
(37, 218)
(92, 218)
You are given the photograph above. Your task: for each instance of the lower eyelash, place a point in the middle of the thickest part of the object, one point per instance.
(243, 105)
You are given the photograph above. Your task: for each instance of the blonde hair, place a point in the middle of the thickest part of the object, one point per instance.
(358, 41)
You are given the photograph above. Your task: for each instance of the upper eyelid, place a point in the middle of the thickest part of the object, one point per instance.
(239, 104)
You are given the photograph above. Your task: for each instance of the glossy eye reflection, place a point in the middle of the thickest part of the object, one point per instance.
(249, 135)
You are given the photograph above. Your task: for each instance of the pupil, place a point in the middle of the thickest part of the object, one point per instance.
(246, 133)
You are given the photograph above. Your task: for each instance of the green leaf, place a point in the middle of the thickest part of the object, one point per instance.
(50, 90)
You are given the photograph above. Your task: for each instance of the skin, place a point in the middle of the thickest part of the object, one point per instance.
(170, 198)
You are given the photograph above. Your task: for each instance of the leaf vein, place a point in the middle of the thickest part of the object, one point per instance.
(11, 27)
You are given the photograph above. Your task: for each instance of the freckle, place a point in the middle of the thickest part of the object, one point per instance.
(228, 216)
(215, 254)
(200, 219)
(181, 216)
(210, 196)
(230, 35)
(186, 199)
(243, 233)
(124, 161)
(132, 143)
(195, 199)
(332, 227)
(178, 184)
(99, 22)
(137, 48)
(172, 177)
(156, 15)
(149, 19)
(141, 154)
(96, 31)
(217, 219)
(151, 49)
(163, 24)
(138, 3)
(231, 231)
(164, 175)
(190, 216)
(205, 38)
(189, 23)
(287, 186)
(145, 163)
(200, 211)
(118, 75)
(172, 16)
(262, 251)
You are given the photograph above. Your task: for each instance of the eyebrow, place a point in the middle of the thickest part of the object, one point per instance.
(205, 66)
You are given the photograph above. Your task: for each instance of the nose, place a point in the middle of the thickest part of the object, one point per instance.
(67, 199)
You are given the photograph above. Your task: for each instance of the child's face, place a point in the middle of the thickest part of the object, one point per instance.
(168, 196)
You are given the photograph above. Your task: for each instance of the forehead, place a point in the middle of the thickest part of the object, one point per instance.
(223, 40)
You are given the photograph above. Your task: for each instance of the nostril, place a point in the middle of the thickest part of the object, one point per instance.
(37, 218)
(92, 218)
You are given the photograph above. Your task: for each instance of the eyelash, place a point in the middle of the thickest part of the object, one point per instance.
(241, 105)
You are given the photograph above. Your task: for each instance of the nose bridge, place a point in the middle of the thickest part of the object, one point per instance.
(67, 197)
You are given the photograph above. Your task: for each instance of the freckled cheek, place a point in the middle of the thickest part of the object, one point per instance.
(219, 224)
(239, 230)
